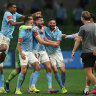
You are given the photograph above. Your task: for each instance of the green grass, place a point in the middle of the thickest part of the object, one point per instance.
(75, 83)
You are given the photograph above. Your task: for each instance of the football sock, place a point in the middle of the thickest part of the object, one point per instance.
(31, 78)
(1, 80)
(12, 75)
(20, 80)
(86, 88)
(57, 77)
(49, 79)
(35, 78)
(63, 78)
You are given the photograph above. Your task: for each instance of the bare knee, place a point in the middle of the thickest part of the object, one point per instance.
(55, 69)
(24, 70)
(3, 47)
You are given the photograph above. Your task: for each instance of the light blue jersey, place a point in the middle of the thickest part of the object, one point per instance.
(26, 40)
(7, 29)
(53, 36)
(36, 45)
(71, 36)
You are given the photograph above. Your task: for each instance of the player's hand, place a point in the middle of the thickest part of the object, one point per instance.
(94, 52)
(75, 39)
(75, 35)
(23, 56)
(64, 35)
(45, 38)
(37, 14)
(72, 55)
(55, 45)
(41, 31)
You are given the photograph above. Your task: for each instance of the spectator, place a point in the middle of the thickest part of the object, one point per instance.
(77, 15)
(20, 8)
(61, 14)
(49, 5)
(83, 3)
(35, 6)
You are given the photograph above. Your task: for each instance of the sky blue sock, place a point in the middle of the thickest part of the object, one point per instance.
(1, 80)
(20, 79)
(49, 79)
(63, 78)
(31, 78)
(58, 78)
(35, 77)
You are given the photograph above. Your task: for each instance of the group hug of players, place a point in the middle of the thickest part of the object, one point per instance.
(38, 43)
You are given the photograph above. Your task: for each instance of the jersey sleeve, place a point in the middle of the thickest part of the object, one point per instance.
(8, 17)
(21, 36)
(35, 31)
(36, 34)
(59, 35)
(81, 31)
(18, 15)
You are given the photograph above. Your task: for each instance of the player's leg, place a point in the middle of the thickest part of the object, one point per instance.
(22, 73)
(91, 77)
(94, 88)
(4, 42)
(35, 76)
(86, 90)
(47, 64)
(34, 61)
(95, 68)
(2, 90)
(20, 79)
(58, 58)
(13, 72)
(55, 70)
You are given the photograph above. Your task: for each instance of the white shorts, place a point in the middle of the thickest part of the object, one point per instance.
(5, 40)
(42, 56)
(30, 58)
(56, 58)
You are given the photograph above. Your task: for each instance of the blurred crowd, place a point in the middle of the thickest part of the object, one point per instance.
(53, 7)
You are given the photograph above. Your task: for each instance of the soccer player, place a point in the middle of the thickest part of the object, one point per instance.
(55, 54)
(73, 36)
(25, 46)
(8, 23)
(87, 35)
(41, 54)
(17, 61)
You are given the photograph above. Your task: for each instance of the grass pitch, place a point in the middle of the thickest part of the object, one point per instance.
(75, 83)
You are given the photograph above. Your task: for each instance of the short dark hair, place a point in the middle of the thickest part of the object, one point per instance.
(36, 18)
(93, 16)
(27, 19)
(86, 15)
(10, 5)
(51, 19)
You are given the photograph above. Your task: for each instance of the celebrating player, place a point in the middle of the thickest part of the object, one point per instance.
(8, 23)
(41, 54)
(55, 54)
(87, 35)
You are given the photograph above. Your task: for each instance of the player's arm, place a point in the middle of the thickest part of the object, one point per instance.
(15, 23)
(38, 38)
(21, 35)
(57, 42)
(72, 36)
(45, 42)
(77, 43)
(20, 51)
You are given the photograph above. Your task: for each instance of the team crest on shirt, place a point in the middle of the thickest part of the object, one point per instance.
(54, 36)
(14, 17)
